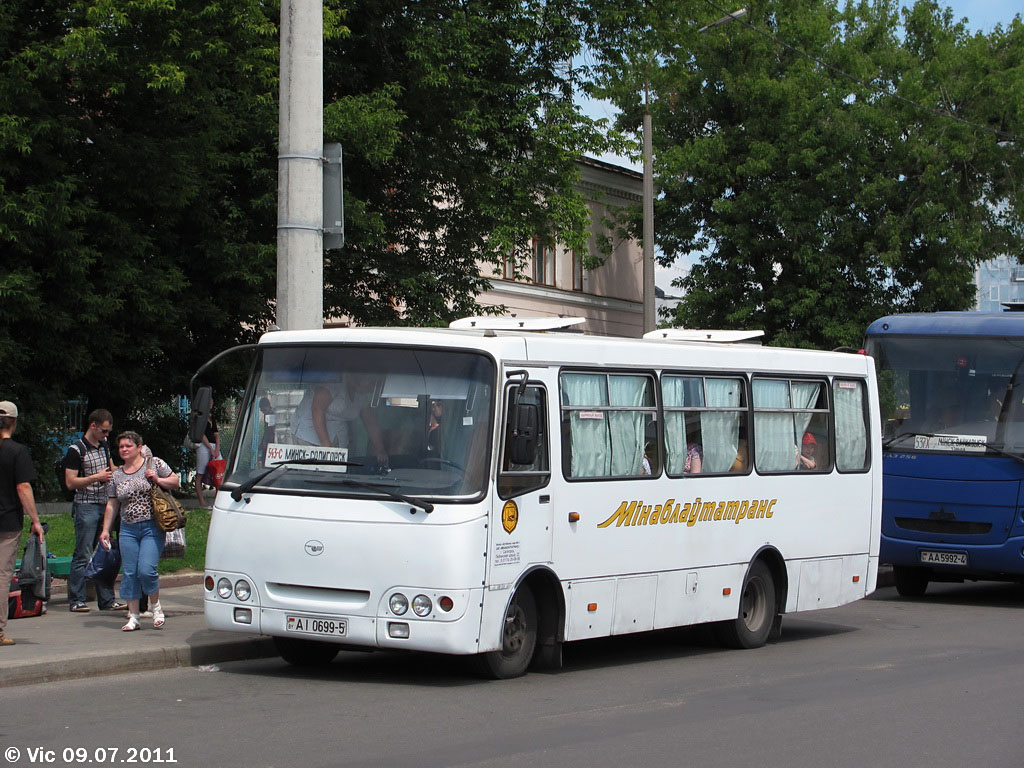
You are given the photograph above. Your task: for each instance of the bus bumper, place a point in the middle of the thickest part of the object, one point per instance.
(459, 636)
(984, 561)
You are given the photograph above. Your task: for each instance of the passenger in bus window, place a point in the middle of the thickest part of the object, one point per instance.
(807, 457)
(434, 428)
(325, 414)
(694, 459)
(739, 464)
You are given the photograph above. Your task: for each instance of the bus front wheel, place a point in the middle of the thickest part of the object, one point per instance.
(305, 653)
(518, 639)
(750, 629)
(910, 582)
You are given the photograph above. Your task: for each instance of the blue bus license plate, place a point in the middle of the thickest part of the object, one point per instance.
(317, 625)
(944, 558)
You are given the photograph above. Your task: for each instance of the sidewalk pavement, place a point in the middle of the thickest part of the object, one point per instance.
(60, 645)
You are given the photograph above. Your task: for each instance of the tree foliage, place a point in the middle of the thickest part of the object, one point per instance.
(817, 201)
(136, 227)
(138, 176)
(463, 148)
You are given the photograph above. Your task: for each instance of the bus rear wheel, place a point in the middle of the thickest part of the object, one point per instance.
(750, 629)
(519, 639)
(910, 582)
(305, 653)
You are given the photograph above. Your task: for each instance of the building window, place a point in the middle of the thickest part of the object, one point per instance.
(577, 271)
(543, 263)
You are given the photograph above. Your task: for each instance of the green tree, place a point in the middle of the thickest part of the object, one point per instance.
(817, 202)
(460, 138)
(136, 229)
(138, 177)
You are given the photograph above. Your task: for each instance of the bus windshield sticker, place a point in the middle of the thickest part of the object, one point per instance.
(277, 452)
(959, 443)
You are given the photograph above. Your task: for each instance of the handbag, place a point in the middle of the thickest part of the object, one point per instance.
(174, 544)
(105, 563)
(215, 469)
(168, 514)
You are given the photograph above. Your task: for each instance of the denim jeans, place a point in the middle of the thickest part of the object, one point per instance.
(88, 523)
(141, 547)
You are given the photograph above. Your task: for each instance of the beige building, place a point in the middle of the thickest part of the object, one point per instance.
(554, 283)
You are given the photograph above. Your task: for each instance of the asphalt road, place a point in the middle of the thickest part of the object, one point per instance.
(883, 682)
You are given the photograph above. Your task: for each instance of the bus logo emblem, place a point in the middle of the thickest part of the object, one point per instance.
(509, 516)
(314, 548)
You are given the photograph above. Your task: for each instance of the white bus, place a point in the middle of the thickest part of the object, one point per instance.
(501, 492)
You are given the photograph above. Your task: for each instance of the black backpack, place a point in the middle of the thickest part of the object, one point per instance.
(59, 469)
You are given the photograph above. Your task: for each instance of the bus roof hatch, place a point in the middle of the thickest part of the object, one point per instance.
(515, 323)
(696, 334)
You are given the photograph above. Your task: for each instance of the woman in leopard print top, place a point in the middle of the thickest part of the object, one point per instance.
(142, 542)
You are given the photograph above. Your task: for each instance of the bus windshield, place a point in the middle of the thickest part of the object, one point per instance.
(953, 394)
(366, 421)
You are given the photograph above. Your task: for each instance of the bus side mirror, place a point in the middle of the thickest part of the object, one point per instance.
(522, 443)
(200, 415)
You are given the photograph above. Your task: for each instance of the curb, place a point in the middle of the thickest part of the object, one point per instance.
(59, 586)
(145, 661)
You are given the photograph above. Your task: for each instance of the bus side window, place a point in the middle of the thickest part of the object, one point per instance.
(517, 479)
(609, 425)
(705, 424)
(851, 416)
(791, 425)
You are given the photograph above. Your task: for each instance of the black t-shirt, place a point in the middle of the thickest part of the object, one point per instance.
(15, 468)
(211, 430)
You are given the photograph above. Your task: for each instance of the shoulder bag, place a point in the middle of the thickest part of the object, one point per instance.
(168, 513)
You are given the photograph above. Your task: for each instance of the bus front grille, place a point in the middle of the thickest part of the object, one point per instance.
(950, 527)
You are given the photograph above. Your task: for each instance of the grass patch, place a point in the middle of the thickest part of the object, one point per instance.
(61, 540)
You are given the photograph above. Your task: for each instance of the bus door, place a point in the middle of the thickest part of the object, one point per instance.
(521, 523)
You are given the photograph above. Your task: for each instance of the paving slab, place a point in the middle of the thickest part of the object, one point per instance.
(60, 645)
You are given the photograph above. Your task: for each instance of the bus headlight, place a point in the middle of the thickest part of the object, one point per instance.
(224, 589)
(398, 604)
(242, 590)
(421, 605)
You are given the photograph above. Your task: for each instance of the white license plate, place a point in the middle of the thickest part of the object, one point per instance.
(944, 558)
(317, 625)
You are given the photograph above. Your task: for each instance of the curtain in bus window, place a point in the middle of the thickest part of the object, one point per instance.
(627, 427)
(851, 429)
(678, 392)
(775, 445)
(588, 430)
(721, 431)
(805, 395)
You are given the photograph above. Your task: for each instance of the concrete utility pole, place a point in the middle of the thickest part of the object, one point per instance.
(300, 255)
(650, 322)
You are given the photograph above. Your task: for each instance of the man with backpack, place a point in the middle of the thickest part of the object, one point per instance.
(16, 498)
(87, 472)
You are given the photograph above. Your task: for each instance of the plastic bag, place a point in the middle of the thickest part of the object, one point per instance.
(215, 469)
(174, 544)
(105, 563)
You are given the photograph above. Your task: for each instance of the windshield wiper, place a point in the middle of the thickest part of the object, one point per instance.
(383, 488)
(253, 481)
(988, 446)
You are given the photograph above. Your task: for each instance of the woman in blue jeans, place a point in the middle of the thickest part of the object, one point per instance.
(142, 542)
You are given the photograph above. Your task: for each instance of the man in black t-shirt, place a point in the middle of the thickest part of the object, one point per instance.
(16, 498)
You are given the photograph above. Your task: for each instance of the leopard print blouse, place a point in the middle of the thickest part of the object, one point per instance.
(131, 489)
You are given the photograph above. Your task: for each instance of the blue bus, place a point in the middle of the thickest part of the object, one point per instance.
(951, 388)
